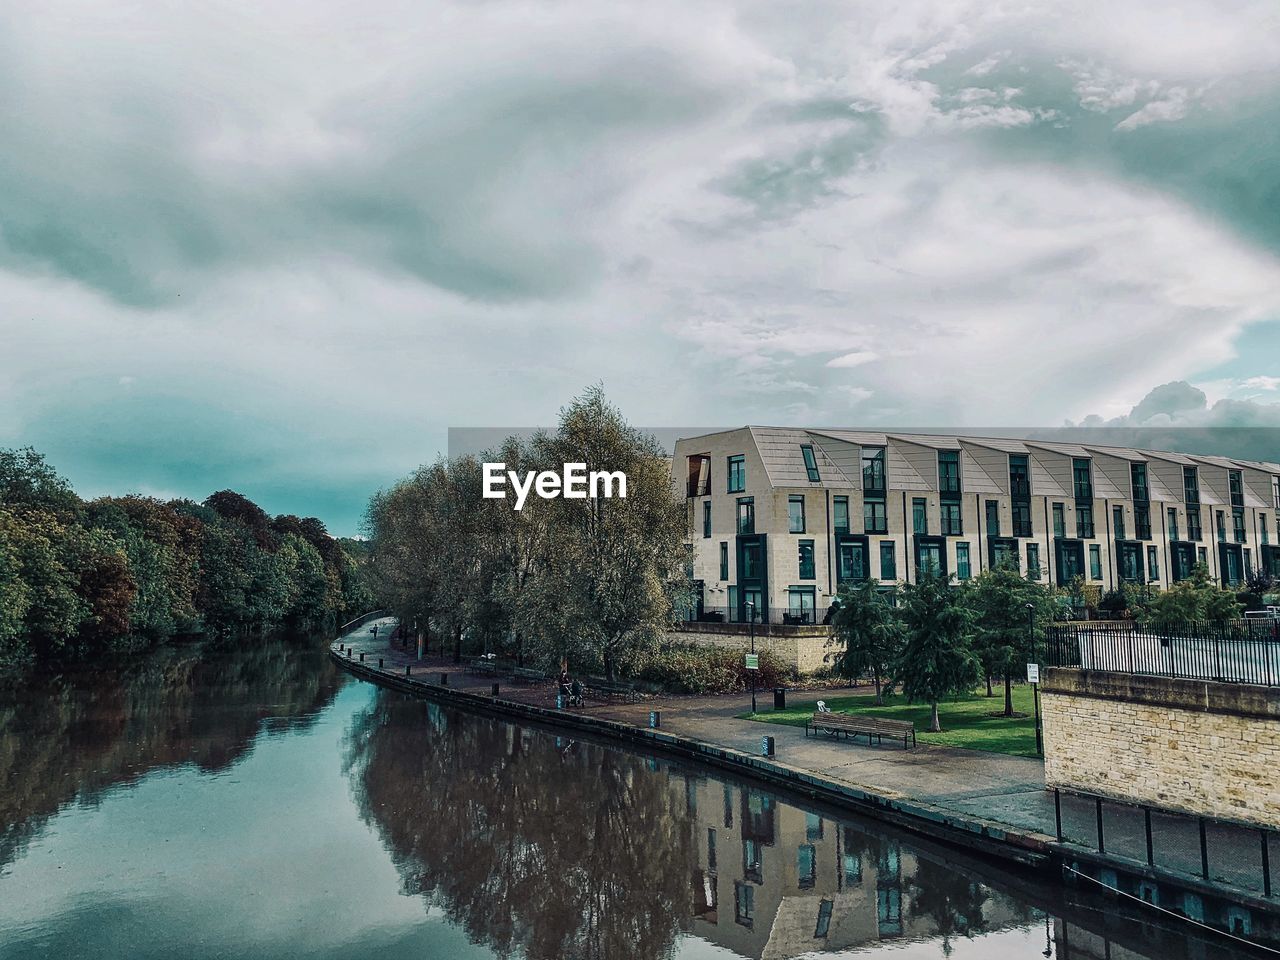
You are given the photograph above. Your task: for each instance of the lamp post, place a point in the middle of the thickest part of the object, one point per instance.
(1035, 687)
(751, 612)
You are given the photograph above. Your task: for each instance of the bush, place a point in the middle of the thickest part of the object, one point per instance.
(709, 670)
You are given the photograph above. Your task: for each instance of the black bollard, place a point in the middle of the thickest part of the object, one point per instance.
(379, 663)
(406, 669)
(495, 689)
(444, 679)
(362, 656)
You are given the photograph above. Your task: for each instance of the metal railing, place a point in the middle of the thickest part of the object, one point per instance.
(362, 620)
(776, 616)
(1236, 651)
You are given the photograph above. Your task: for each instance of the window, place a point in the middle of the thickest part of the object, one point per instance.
(1248, 564)
(1221, 526)
(706, 518)
(800, 604)
(795, 513)
(993, 518)
(888, 562)
(949, 472)
(1153, 563)
(1195, 531)
(823, 926)
(1033, 561)
(929, 559)
(1202, 556)
(952, 524)
(711, 849)
(1262, 529)
(746, 515)
(1138, 481)
(812, 827)
(1022, 519)
(737, 474)
(1275, 492)
(806, 866)
(873, 474)
(1142, 521)
(1173, 523)
(840, 514)
(724, 560)
(744, 903)
(963, 570)
(1059, 520)
(1004, 553)
(1084, 521)
(851, 560)
(806, 560)
(920, 516)
(1019, 477)
(1082, 478)
(699, 475)
(874, 517)
(810, 463)
(1117, 522)
(1190, 485)
(752, 866)
(1095, 562)
(1237, 524)
(1130, 556)
(1235, 482)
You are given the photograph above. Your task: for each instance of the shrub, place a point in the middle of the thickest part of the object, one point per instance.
(691, 669)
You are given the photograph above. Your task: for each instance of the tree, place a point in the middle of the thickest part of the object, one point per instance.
(998, 599)
(28, 483)
(870, 630)
(936, 660)
(1194, 599)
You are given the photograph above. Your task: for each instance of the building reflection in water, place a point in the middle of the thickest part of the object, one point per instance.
(541, 845)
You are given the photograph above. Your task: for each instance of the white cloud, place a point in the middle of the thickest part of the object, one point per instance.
(1262, 383)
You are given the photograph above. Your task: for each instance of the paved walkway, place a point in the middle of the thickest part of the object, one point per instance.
(1004, 790)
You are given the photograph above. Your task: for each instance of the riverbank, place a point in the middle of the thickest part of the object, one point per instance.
(992, 804)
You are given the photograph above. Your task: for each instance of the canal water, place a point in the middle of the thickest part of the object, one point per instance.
(264, 805)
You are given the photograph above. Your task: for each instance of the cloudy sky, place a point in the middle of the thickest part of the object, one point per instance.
(283, 247)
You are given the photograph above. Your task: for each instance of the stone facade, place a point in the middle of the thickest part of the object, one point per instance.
(1196, 746)
(805, 649)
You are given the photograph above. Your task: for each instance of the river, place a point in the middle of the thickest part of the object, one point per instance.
(262, 804)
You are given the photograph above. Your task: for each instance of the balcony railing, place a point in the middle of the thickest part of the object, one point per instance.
(781, 616)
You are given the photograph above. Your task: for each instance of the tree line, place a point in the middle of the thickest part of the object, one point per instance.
(939, 639)
(590, 582)
(117, 574)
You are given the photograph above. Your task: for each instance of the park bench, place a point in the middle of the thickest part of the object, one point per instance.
(609, 689)
(529, 675)
(851, 726)
(482, 665)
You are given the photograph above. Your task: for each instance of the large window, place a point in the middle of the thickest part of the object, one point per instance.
(963, 569)
(744, 903)
(875, 519)
(1084, 521)
(1190, 485)
(699, 475)
(1142, 520)
(746, 515)
(840, 514)
(1117, 523)
(1153, 563)
(851, 562)
(800, 604)
(737, 474)
(1195, 530)
(1237, 524)
(706, 518)
(1033, 561)
(1082, 478)
(873, 473)
(1130, 556)
(888, 562)
(1022, 519)
(920, 516)
(1019, 476)
(1235, 482)
(1173, 523)
(949, 472)
(1221, 525)
(724, 560)
(1262, 529)
(806, 865)
(795, 513)
(810, 463)
(1059, 520)
(993, 518)
(806, 560)
(1138, 481)
(952, 524)
(1095, 562)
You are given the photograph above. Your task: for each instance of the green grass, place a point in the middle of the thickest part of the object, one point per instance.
(965, 722)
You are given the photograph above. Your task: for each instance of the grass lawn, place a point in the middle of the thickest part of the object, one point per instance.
(965, 722)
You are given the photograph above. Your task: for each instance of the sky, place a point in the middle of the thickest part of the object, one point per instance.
(284, 247)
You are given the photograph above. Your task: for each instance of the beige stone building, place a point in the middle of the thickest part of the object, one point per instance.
(780, 517)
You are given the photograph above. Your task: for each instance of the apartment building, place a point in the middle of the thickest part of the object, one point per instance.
(780, 517)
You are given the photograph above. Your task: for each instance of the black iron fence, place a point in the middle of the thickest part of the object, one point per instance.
(1235, 651)
(776, 616)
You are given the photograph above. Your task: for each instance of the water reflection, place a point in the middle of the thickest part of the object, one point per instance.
(560, 849)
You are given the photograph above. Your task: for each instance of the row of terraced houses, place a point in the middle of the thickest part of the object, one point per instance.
(781, 517)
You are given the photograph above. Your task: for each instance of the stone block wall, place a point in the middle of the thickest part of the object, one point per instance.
(805, 651)
(1197, 746)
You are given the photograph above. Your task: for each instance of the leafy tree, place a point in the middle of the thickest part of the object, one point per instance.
(1197, 598)
(936, 660)
(28, 483)
(998, 599)
(870, 631)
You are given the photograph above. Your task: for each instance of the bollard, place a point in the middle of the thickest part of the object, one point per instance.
(444, 679)
(495, 689)
(379, 663)
(766, 746)
(560, 701)
(406, 669)
(655, 719)
(341, 647)
(362, 656)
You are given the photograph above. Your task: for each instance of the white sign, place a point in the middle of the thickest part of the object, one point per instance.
(1033, 673)
(753, 661)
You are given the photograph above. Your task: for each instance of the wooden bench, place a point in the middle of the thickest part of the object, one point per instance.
(610, 688)
(481, 665)
(851, 726)
(528, 675)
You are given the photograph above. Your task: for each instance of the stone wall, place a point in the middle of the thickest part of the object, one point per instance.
(1197, 746)
(801, 648)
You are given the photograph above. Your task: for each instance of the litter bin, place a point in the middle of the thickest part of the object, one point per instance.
(766, 746)
(779, 698)
(655, 719)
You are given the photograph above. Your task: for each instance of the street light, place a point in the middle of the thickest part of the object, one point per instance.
(751, 605)
(1035, 687)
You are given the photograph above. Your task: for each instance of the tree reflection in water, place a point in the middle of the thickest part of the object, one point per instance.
(529, 842)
